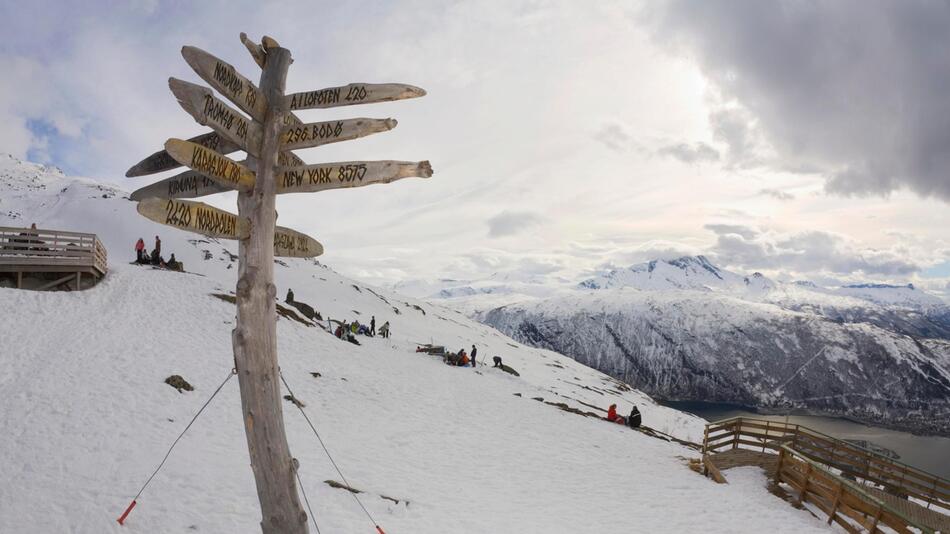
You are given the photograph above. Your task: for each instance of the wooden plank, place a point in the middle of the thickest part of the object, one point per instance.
(195, 217)
(326, 132)
(255, 335)
(293, 244)
(189, 184)
(210, 110)
(713, 470)
(256, 50)
(213, 165)
(161, 161)
(322, 177)
(222, 76)
(352, 94)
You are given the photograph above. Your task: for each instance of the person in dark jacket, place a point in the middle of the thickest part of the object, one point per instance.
(634, 419)
(497, 360)
(158, 245)
(173, 264)
(474, 352)
(372, 326)
(290, 295)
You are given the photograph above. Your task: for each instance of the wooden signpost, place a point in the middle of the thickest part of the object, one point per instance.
(267, 134)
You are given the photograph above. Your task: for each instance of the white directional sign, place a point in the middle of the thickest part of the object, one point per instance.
(213, 165)
(326, 176)
(352, 94)
(195, 217)
(324, 133)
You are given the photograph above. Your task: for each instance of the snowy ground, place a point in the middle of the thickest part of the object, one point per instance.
(86, 415)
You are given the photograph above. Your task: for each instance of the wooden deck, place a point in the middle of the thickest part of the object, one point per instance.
(857, 488)
(34, 252)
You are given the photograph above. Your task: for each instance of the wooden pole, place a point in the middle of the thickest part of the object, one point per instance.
(255, 337)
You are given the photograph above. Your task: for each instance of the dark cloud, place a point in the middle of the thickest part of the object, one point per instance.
(854, 88)
(806, 252)
(724, 229)
(613, 136)
(776, 194)
(697, 153)
(509, 223)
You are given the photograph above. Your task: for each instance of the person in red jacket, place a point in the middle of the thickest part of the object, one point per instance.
(613, 417)
(139, 250)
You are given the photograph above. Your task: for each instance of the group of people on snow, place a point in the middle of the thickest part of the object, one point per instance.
(461, 358)
(349, 331)
(633, 420)
(155, 258)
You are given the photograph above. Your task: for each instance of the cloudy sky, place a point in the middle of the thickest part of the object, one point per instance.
(801, 139)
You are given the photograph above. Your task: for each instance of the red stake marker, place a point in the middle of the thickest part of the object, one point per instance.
(125, 514)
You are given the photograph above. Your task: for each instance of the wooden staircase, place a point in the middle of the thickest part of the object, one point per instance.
(857, 488)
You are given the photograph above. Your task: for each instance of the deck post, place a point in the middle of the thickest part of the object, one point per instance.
(19, 280)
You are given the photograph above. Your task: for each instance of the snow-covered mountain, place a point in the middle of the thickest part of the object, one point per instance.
(688, 330)
(86, 415)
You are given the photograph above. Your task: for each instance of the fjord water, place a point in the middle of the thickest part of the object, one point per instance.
(930, 453)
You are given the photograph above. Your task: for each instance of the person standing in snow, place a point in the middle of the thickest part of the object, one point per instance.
(158, 246)
(634, 420)
(497, 360)
(290, 295)
(140, 251)
(372, 326)
(474, 352)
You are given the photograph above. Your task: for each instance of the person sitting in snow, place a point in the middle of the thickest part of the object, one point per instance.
(384, 330)
(613, 417)
(339, 331)
(355, 327)
(173, 264)
(634, 420)
(157, 258)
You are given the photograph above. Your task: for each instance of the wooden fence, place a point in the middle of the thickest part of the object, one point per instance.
(846, 503)
(851, 460)
(33, 250)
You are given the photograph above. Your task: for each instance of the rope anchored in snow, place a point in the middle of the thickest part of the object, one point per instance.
(379, 529)
(128, 510)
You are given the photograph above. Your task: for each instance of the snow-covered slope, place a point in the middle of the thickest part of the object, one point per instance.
(688, 330)
(86, 415)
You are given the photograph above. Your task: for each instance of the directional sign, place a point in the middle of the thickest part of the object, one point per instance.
(325, 176)
(324, 133)
(161, 161)
(215, 166)
(354, 93)
(292, 244)
(195, 217)
(228, 81)
(210, 110)
(189, 184)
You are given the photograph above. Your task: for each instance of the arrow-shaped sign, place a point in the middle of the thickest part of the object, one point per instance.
(323, 133)
(213, 165)
(195, 217)
(210, 110)
(292, 244)
(161, 161)
(325, 176)
(354, 93)
(228, 81)
(189, 184)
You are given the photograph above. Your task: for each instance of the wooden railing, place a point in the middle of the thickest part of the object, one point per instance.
(50, 250)
(841, 499)
(843, 458)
